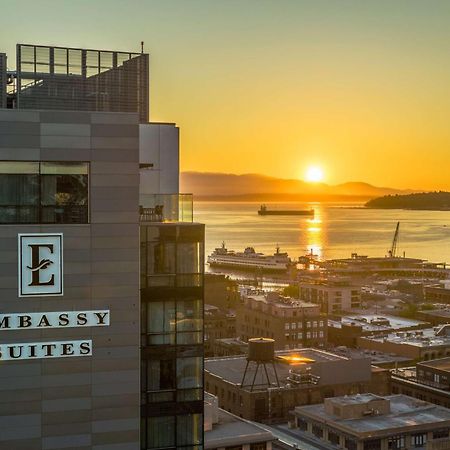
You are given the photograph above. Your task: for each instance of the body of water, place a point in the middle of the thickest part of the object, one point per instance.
(336, 231)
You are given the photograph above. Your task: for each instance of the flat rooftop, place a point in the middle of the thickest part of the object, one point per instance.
(420, 338)
(377, 358)
(280, 301)
(356, 399)
(232, 430)
(445, 313)
(371, 322)
(441, 364)
(406, 413)
(232, 368)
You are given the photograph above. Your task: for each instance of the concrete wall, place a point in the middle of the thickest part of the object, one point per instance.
(89, 402)
(159, 145)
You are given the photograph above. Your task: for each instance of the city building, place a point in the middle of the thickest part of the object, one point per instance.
(428, 380)
(424, 344)
(59, 176)
(218, 324)
(90, 194)
(221, 291)
(372, 422)
(438, 293)
(440, 315)
(266, 391)
(229, 347)
(224, 430)
(291, 323)
(346, 330)
(334, 294)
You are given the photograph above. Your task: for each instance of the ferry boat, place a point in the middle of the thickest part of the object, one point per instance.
(249, 259)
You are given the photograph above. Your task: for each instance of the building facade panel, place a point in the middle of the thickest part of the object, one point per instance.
(52, 402)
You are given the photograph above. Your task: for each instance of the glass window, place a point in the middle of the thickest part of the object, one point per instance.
(189, 372)
(64, 192)
(161, 317)
(46, 192)
(160, 374)
(396, 442)
(372, 444)
(161, 257)
(419, 440)
(189, 315)
(160, 432)
(189, 257)
(19, 192)
(189, 429)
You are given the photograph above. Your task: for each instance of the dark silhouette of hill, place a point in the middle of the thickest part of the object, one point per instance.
(223, 186)
(423, 200)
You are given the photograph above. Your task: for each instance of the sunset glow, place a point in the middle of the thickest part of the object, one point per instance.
(314, 174)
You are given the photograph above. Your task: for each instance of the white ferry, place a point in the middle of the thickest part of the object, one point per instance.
(249, 260)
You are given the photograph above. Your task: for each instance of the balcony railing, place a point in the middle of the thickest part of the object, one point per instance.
(166, 207)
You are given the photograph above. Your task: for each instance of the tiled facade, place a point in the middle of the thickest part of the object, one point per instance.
(90, 402)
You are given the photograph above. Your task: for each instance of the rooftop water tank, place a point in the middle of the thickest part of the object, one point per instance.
(261, 349)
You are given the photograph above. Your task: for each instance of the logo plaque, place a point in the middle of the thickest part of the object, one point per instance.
(40, 264)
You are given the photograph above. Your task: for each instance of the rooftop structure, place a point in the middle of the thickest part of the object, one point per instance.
(379, 359)
(287, 363)
(346, 330)
(299, 376)
(377, 323)
(229, 347)
(224, 430)
(437, 316)
(427, 343)
(428, 380)
(65, 78)
(371, 422)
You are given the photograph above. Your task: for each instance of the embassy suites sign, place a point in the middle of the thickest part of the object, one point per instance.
(40, 274)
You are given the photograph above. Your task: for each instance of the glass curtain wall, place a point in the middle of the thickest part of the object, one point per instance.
(172, 335)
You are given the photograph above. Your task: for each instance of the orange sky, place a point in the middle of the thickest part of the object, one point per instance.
(360, 88)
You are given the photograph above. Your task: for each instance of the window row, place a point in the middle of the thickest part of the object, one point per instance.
(174, 322)
(44, 192)
(309, 324)
(173, 431)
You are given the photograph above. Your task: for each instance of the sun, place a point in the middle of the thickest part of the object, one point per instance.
(314, 174)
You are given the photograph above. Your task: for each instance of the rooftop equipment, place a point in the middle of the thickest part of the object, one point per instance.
(261, 351)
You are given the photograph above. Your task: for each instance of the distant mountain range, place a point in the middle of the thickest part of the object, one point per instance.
(224, 186)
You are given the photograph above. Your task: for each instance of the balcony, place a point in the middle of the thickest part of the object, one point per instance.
(166, 207)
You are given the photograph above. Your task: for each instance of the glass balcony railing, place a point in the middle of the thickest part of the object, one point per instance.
(166, 207)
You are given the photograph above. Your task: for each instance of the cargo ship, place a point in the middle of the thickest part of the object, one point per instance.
(263, 211)
(249, 259)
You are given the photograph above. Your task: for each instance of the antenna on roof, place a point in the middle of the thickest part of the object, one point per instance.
(142, 46)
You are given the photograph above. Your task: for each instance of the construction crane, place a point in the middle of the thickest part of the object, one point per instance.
(393, 250)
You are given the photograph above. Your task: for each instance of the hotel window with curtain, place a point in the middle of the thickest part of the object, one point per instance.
(44, 192)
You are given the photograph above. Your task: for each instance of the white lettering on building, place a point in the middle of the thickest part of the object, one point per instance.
(40, 350)
(68, 319)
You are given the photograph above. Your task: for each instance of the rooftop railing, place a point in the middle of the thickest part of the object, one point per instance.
(166, 207)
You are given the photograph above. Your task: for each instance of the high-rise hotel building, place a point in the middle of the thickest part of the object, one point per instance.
(101, 282)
